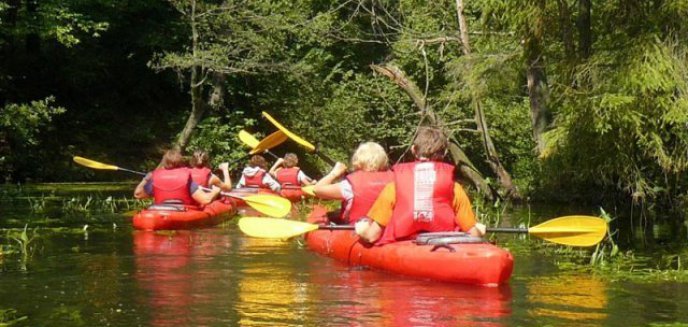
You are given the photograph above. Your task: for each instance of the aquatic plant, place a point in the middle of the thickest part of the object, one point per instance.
(9, 317)
(25, 244)
(606, 249)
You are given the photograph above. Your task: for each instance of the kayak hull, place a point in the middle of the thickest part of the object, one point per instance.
(214, 213)
(474, 263)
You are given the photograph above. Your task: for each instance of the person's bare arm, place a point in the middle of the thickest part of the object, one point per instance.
(338, 170)
(140, 191)
(329, 192)
(275, 167)
(204, 197)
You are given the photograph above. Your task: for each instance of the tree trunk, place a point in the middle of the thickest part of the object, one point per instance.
(566, 33)
(195, 87)
(584, 31)
(537, 85)
(464, 165)
(490, 150)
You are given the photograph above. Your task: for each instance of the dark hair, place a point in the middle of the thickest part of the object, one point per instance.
(200, 159)
(173, 159)
(430, 143)
(258, 161)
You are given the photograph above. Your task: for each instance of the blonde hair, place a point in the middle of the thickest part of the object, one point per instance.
(369, 156)
(173, 159)
(290, 160)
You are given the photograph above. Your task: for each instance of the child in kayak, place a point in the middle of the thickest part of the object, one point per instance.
(203, 176)
(172, 182)
(255, 175)
(422, 198)
(359, 189)
(290, 176)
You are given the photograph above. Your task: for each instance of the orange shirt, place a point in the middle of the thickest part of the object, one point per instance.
(381, 211)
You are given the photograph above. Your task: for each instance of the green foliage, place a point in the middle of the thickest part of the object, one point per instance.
(218, 136)
(20, 126)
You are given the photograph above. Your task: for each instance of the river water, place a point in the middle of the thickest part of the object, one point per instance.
(112, 275)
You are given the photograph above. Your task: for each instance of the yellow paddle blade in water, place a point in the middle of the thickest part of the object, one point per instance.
(93, 164)
(273, 227)
(270, 205)
(572, 230)
(270, 142)
(248, 139)
(310, 147)
(310, 190)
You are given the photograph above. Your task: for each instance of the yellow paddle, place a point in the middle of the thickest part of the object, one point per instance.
(570, 230)
(268, 204)
(271, 205)
(99, 165)
(310, 147)
(263, 145)
(310, 190)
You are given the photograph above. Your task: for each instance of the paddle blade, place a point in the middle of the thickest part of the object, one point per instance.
(310, 190)
(270, 142)
(248, 139)
(572, 230)
(93, 164)
(310, 147)
(267, 204)
(273, 227)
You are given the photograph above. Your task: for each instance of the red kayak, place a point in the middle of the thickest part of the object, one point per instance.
(479, 263)
(171, 216)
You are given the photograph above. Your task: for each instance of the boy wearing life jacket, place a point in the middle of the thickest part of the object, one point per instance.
(360, 188)
(173, 181)
(290, 176)
(203, 176)
(255, 175)
(422, 198)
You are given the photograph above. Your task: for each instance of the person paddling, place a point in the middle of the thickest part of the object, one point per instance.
(255, 175)
(172, 183)
(203, 176)
(290, 176)
(422, 198)
(359, 189)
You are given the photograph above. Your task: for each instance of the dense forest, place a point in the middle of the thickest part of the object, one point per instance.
(568, 100)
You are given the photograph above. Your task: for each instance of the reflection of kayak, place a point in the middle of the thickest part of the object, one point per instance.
(179, 217)
(474, 263)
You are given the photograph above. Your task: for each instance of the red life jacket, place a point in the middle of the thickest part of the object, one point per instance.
(366, 186)
(255, 180)
(172, 184)
(288, 177)
(424, 198)
(200, 176)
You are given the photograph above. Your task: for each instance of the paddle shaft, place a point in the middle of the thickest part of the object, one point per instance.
(132, 171)
(489, 229)
(507, 230)
(325, 158)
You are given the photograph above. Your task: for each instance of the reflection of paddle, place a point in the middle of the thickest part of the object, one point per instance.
(569, 230)
(263, 145)
(271, 205)
(99, 165)
(310, 147)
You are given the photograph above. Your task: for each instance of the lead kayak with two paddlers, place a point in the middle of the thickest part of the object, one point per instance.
(448, 258)
(177, 216)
